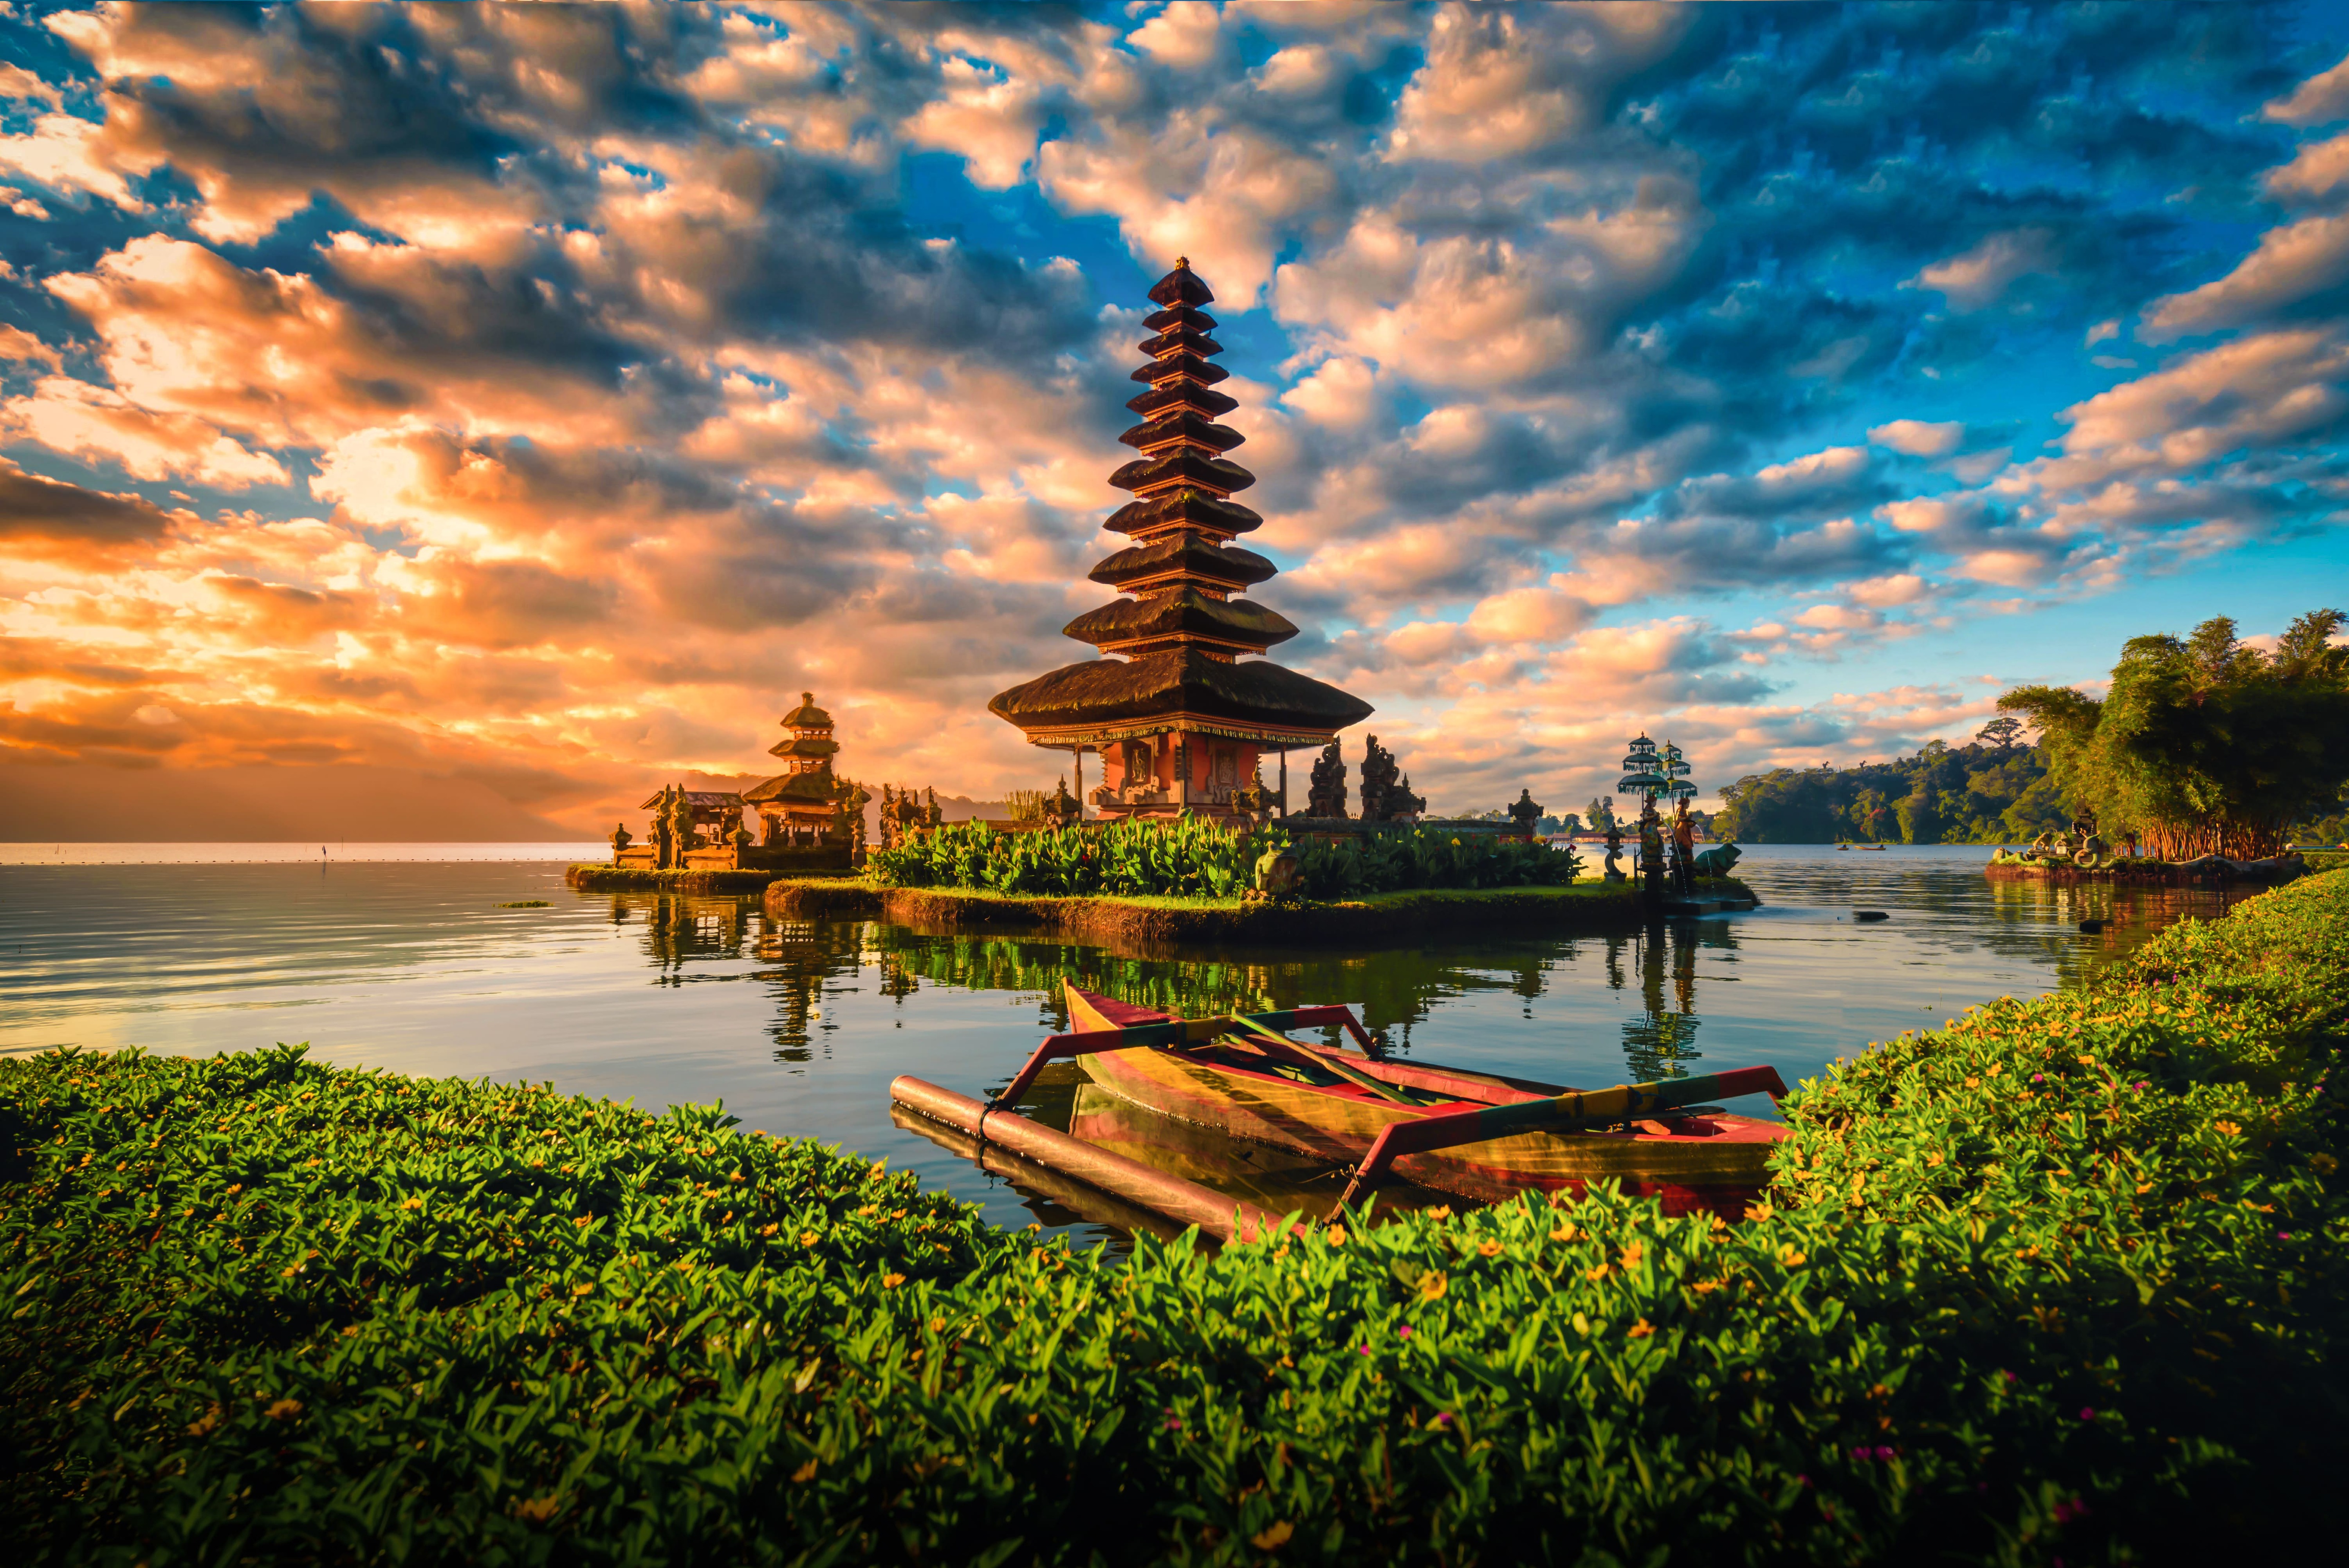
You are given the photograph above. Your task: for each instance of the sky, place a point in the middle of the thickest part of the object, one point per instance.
(535, 400)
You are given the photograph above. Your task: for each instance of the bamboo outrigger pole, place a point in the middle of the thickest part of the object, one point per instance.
(1559, 1113)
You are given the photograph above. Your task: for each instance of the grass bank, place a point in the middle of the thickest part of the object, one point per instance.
(1140, 921)
(2064, 1280)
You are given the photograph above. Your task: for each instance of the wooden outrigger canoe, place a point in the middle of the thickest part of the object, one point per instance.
(1482, 1135)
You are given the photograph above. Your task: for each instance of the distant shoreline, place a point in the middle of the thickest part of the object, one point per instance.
(53, 852)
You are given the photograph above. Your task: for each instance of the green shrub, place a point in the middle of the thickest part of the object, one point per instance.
(2061, 1281)
(1192, 857)
(1395, 860)
(1186, 857)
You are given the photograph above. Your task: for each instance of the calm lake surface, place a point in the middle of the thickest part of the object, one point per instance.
(405, 961)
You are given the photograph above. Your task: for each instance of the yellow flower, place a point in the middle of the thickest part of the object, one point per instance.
(891, 1281)
(1441, 1211)
(807, 1238)
(1337, 1235)
(1488, 1248)
(1632, 1254)
(2227, 1129)
(1597, 1274)
(411, 1204)
(284, 1410)
(1642, 1329)
(1706, 1287)
(1432, 1286)
(1793, 1257)
(2322, 1164)
(1273, 1536)
(584, 1290)
(769, 1230)
(805, 1473)
(1563, 1233)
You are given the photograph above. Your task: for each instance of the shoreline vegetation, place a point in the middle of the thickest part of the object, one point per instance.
(2063, 1278)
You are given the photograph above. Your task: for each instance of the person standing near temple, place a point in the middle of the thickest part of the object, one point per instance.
(1683, 847)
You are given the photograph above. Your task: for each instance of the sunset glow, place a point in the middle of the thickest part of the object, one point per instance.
(538, 400)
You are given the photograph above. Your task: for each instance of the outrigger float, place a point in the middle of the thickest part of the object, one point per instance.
(1478, 1136)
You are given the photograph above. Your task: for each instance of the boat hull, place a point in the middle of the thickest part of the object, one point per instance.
(1713, 1164)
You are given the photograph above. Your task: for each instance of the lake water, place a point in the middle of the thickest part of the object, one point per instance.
(405, 961)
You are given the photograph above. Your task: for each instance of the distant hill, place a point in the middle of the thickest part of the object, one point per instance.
(89, 803)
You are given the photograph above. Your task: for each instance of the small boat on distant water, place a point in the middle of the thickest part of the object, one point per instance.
(1481, 1136)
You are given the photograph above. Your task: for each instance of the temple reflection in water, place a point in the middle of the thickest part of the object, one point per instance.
(1396, 989)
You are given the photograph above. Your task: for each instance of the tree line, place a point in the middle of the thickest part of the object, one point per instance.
(1995, 790)
(2204, 744)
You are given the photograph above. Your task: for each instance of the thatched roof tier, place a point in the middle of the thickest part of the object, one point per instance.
(1110, 699)
(1185, 554)
(1181, 395)
(807, 715)
(1184, 425)
(804, 746)
(1182, 465)
(704, 802)
(1182, 286)
(1181, 315)
(1183, 509)
(808, 789)
(1207, 372)
(1179, 337)
(1237, 624)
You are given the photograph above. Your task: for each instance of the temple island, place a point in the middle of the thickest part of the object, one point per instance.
(1185, 706)
(811, 821)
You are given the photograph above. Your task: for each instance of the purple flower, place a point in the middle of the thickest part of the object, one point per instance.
(1362, 1350)
(2137, 1086)
(1405, 1331)
(2283, 1235)
(1803, 1481)
(2009, 1377)
(1442, 1418)
(1886, 1454)
(2038, 1077)
(2086, 1414)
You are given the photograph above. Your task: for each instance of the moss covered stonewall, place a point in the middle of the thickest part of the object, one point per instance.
(1130, 921)
(2061, 1281)
(595, 876)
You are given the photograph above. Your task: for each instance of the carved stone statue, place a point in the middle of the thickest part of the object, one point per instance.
(1063, 810)
(1652, 851)
(1378, 776)
(1251, 802)
(1717, 860)
(1683, 847)
(1327, 796)
(621, 839)
(1614, 850)
(1525, 813)
(1275, 873)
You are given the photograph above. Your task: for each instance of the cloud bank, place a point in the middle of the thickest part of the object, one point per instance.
(543, 396)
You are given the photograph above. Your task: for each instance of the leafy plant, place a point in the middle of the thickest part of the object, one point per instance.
(2064, 1279)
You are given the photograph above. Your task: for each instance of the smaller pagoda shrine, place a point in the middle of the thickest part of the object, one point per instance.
(809, 818)
(797, 808)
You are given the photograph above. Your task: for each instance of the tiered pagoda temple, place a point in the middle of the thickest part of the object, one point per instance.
(798, 805)
(1184, 709)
